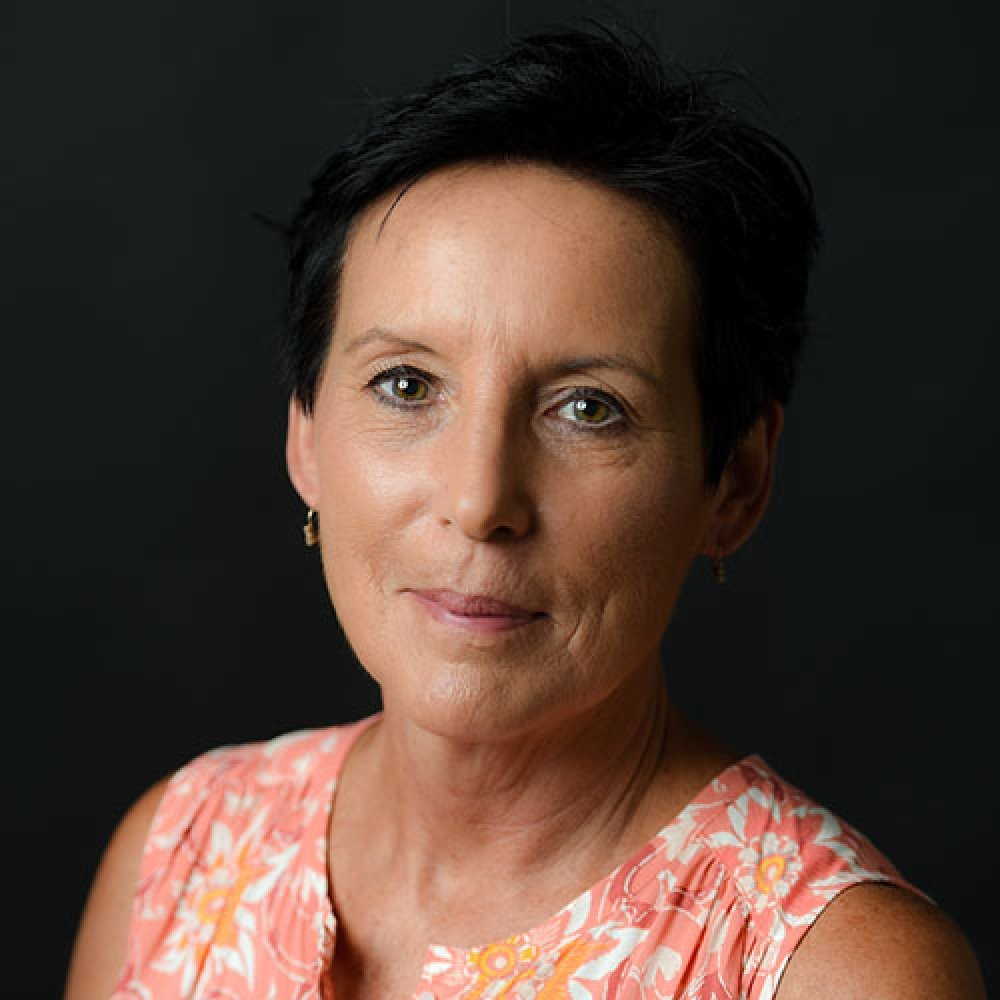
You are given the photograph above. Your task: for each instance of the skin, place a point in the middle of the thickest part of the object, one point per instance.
(471, 433)
(491, 485)
(538, 751)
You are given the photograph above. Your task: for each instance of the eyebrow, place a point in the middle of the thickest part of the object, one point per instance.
(583, 363)
(615, 362)
(380, 333)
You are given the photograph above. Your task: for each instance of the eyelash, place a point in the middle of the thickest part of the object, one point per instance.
(618, 413)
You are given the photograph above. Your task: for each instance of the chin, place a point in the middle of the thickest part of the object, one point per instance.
(471, 705)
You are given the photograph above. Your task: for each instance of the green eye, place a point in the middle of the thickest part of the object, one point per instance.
(401, 385)
(409, 388)
(591, 409)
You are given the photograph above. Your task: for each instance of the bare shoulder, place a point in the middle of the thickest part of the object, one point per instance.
(101, 939)
(879, 942)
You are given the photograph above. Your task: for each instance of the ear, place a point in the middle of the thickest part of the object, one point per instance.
(745, 487)
(300, 453)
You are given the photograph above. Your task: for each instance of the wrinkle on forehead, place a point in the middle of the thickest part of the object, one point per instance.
(614, 259)
(437, 184)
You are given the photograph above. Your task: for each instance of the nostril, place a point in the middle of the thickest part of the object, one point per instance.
(484, 494)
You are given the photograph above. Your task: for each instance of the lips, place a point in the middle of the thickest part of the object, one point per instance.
(475, 605)
(475, 612)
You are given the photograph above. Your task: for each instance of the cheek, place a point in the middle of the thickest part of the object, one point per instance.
(368, 501)
(648, 512)
(635, 542)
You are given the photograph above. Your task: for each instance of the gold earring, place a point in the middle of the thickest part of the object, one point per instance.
(310, 530)
(719, 570)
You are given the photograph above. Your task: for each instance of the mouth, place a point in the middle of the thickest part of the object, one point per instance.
(478, 613)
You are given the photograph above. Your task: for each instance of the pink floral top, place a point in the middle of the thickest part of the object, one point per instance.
(233, 902)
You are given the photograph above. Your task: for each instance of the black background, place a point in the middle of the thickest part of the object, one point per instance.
(159, 600)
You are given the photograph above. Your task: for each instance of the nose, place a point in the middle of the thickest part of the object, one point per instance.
(486, 490)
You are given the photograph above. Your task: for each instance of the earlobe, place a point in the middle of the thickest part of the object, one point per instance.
(300, 453)
(745, 486)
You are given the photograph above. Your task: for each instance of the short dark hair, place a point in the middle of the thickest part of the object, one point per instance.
(605, 108)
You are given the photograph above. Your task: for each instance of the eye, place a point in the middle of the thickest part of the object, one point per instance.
(401, 385)
(592, 409)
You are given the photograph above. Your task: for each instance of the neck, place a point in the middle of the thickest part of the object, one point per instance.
(559, 805)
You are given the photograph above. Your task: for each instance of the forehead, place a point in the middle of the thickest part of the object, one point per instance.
(515, 250)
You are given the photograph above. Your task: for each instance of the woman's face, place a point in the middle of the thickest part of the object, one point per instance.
(506, 450)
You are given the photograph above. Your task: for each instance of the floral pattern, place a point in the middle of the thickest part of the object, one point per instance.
(232, 900)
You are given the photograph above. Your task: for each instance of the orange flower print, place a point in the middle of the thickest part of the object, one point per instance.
(233, 899)
(589, 960)
(496, 967)
(216, 918)
(498, 961)
(769, 868)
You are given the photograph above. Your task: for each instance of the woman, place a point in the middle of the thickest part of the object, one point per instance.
(544, 321)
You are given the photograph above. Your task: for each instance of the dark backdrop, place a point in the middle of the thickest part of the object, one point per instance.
(159, 599)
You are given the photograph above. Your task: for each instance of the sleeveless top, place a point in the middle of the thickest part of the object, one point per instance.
(232, 901)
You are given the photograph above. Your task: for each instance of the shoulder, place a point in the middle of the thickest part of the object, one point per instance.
(877, 942)
(100, 944)
(239, 781)
(221, 793)
(787, 856)
(827, 914)
(832, 915)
